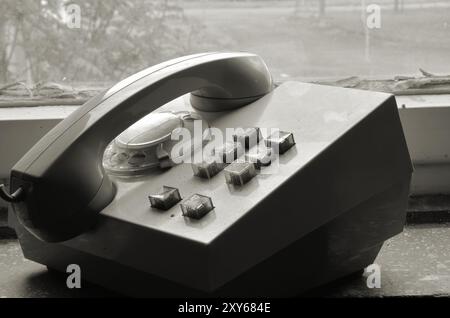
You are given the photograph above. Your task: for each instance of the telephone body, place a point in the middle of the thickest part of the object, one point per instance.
(334, 196)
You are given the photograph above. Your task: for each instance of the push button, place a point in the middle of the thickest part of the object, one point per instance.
(166, 199)
(239, 173)
(229, 152)
(207, 170)
(262, 157)
(196, 206)
(280, 141)
(248, 137)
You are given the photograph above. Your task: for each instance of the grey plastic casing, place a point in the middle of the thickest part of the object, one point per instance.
(62, 175)
(320, 211)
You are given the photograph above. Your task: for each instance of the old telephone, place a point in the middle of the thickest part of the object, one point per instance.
(101, 189)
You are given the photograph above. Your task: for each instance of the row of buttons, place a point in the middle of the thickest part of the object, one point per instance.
(250, 137)
(237, 173)
(196, 206)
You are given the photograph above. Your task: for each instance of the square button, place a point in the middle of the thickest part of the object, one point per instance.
(229, 152)
(280, 141)
(196, 206)
(207, 170)
(239, 173)
(166, 199)
(262, 157)
(248, 137)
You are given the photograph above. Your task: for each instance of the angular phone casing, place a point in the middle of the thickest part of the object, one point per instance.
(322, 212)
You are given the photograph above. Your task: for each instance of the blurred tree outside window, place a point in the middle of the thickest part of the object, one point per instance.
(312, 40)
(114, 37)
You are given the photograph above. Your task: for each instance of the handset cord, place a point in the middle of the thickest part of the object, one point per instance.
(17, 196)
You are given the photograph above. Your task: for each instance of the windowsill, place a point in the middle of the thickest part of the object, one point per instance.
(407, 270)
(36, 113)
(425, 121)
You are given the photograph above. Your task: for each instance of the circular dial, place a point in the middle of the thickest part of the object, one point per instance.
(147, 143)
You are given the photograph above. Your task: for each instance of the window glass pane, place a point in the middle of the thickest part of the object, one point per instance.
(104, 41)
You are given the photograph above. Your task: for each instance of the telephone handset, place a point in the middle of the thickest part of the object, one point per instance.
(60, 184)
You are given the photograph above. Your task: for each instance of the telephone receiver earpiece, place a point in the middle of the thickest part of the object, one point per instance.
(61, 181)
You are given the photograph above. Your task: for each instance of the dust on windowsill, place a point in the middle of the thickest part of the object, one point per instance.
(20, 94)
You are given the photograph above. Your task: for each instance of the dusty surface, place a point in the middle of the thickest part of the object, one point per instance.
(414, 263)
